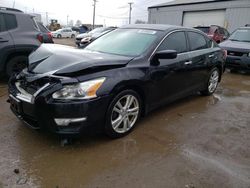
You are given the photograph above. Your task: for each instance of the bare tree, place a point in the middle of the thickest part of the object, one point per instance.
(140, 22)
(78, 23)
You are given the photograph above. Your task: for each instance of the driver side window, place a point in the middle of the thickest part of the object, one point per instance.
(175, 41)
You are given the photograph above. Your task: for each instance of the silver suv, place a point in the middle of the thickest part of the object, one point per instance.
(19, 36)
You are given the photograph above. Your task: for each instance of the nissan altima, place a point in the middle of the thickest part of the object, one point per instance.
(115, 80)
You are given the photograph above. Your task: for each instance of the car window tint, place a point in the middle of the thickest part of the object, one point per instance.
(2, 23)
(221, 31)
(42, 28)
(197, 41)
(175, 41)
(226, 33)
(10, 21)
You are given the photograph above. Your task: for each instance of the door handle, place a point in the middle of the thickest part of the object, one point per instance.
(211, 55)
(188, 63)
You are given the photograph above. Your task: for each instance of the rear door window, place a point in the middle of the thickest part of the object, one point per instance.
(2, 23)
(175, 41)
(10, 21)
(197, 41)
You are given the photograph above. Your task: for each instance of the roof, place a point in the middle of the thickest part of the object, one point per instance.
(160, 27)
(184, 2)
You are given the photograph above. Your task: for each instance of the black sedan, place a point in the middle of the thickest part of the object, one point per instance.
(87, 40)
(238, 49)
(115, 80)
(87, 37)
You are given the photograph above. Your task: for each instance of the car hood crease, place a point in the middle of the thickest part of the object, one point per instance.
(59, 59)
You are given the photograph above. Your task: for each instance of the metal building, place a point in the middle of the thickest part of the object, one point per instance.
(230, 14)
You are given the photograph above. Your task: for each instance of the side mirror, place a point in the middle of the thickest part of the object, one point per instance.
(164, 54)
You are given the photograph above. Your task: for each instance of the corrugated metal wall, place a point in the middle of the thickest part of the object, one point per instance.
(237, 13)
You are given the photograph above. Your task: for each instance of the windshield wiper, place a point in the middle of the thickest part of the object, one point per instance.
(234, 40)
(245, 40)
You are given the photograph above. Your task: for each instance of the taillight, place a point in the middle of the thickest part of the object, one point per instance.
(40, 37)
(49, 34)
(210, 35)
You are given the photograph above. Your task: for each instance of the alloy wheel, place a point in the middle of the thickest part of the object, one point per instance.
(213, 81)
(125, 113)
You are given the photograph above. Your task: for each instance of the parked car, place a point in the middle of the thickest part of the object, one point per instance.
(87, 40)
(215, 32)
(64, 33)
(96, 32)
(238, 49)
(65, 90)
(19, 36)
(46, 34)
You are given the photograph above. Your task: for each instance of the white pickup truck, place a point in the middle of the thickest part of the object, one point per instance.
(64, 33)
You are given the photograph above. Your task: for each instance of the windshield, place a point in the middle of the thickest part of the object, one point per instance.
(97, 30)
(242, 35)
(127, 42)
(203, 29)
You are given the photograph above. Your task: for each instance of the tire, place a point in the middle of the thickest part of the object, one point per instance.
(212, 82)
(16, 65)
(59, 36)
(72, 36)
(118, 121)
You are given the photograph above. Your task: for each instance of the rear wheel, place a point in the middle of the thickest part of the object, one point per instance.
(72, 36)
(123, 113)
(16, 65)
(212, 83)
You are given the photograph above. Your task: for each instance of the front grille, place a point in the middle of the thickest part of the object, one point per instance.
(32, 87)
(233, 53)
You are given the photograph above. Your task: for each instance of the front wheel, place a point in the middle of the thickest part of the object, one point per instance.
(72, 36)
(59, 36)
(16, 65)
(212, 83)
(123, 113)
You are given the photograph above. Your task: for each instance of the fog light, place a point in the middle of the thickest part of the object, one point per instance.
(66, 122)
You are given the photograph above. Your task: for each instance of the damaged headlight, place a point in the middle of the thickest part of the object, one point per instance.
(84, 90)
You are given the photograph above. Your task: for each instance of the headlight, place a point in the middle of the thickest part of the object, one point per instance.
(249, 55)
(84, 90)
(86, 40)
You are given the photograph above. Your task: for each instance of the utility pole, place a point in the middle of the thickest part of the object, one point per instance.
(130, 10)
(67, 20)
(93, 27)
(47, 19)
(14, 3)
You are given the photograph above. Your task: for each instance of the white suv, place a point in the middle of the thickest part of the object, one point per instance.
(64, 33)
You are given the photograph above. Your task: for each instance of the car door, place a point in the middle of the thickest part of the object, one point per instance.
(64, 34)
(199, 56)
(6, 41)
(167, 77)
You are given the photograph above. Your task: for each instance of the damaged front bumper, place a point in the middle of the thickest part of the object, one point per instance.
(39, 110)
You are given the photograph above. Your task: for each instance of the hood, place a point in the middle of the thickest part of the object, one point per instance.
(235, 46)
(58, 59)
(83, 35)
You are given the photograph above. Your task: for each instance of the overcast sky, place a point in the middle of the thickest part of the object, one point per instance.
(109, 12)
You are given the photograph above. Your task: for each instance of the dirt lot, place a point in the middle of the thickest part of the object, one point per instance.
(195, 142)
(65, 41)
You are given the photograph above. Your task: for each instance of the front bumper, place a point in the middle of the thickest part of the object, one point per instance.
(238, 62)
(48, 114)
(78, 41)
